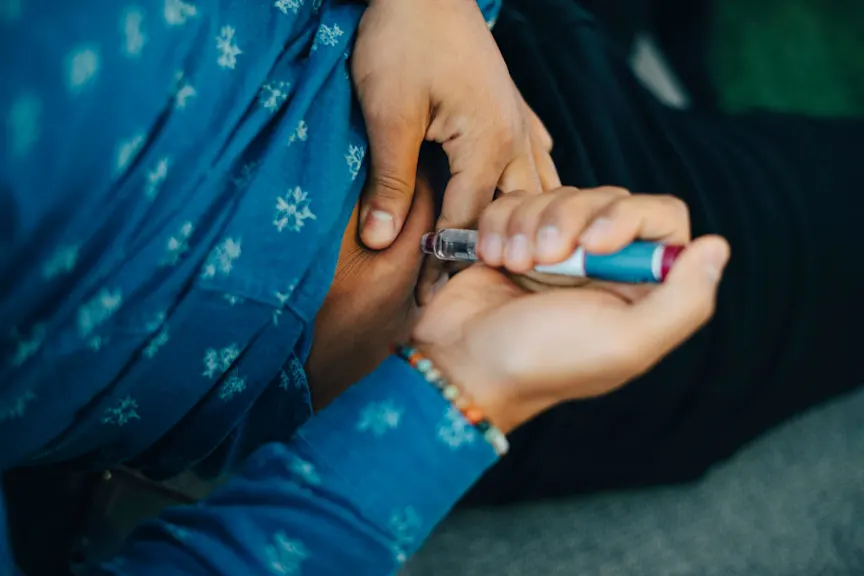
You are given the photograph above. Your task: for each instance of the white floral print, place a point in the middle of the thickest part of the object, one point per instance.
(157, 342)
(27, 346)
(176, 532)
(234, 384)
(221, 258)
(18, 407)
(286, 5)
(123, 412)
(127, 150)
(177, 12)
(82, 67)
(284, 380)
(285, 556)
(96, 342)
(405, 525)
(97, 310)
(246, 175)
(305, 470)
(156, 323)
(134, 38)
(284, 296)
(327, 36)
(354, 158)
(292, 210)
(177, 245)
(217, 362)
(300, 133)
(62, 261)
(227, 47)
(233, 299)
(273, 94)
(380, 417)
(183, 91)
(454, 430)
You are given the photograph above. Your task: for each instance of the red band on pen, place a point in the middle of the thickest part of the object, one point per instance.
(670, 254)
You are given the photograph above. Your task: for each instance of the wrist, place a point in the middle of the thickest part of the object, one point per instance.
(492, 395)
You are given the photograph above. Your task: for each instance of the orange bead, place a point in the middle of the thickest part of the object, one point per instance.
(473, 415)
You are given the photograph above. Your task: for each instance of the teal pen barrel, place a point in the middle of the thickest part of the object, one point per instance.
(639, 262)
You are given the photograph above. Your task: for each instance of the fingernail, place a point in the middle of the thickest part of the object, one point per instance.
(714, 260)
(596, 232)
(517, 249)
(491, 247)
(548, 241)
(379, 228)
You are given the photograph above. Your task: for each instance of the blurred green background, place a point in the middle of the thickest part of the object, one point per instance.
(789, 55)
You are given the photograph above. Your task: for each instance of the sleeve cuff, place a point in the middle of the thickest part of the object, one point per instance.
(406, 454)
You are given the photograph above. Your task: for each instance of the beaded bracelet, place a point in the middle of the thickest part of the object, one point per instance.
(472, 413)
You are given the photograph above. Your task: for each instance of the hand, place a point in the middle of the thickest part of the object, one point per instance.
(370, 304)
(430, 70)
(517, 353)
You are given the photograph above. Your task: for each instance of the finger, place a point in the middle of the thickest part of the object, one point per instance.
(433, 277)
(395, 137)
(405, 253)
(521, 174)
(549, 179)
(420, 219)
(558, 228)
(521, 233)
(538, 130)
(541, 146)
(493, 227)
(646, 217)
(672, 312)
(475, 170)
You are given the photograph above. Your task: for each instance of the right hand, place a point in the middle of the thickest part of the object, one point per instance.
(430, 70)
(517, 353)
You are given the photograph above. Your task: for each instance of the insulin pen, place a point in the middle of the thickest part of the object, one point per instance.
(637, 263)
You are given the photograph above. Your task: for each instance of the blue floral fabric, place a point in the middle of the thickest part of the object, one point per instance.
(356, 491)
(175, 176)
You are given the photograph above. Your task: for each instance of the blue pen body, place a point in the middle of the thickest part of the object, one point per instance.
(636, 263)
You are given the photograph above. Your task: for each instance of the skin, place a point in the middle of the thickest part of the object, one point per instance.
(371, 303)
(574, 342)
(462, 98)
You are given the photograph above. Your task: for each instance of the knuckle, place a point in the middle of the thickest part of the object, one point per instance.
(496, 215)
(389, 186)
(563, 213)
(615, 191)
(521, 218)
(570, 202)
(678, 208)
(506, 139)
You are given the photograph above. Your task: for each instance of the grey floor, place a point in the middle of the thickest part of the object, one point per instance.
(792, 504)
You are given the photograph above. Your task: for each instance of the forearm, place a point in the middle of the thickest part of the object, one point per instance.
(357, 491)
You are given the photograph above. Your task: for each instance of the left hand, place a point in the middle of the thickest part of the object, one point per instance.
(370, 304)
(430, 70)
(518, 352)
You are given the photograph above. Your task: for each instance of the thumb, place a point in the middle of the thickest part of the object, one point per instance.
(673, 311)
(395, 137)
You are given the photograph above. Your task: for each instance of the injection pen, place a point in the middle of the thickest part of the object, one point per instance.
(639, 262)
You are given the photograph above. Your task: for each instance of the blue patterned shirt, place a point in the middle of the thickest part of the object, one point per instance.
(175, 176)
